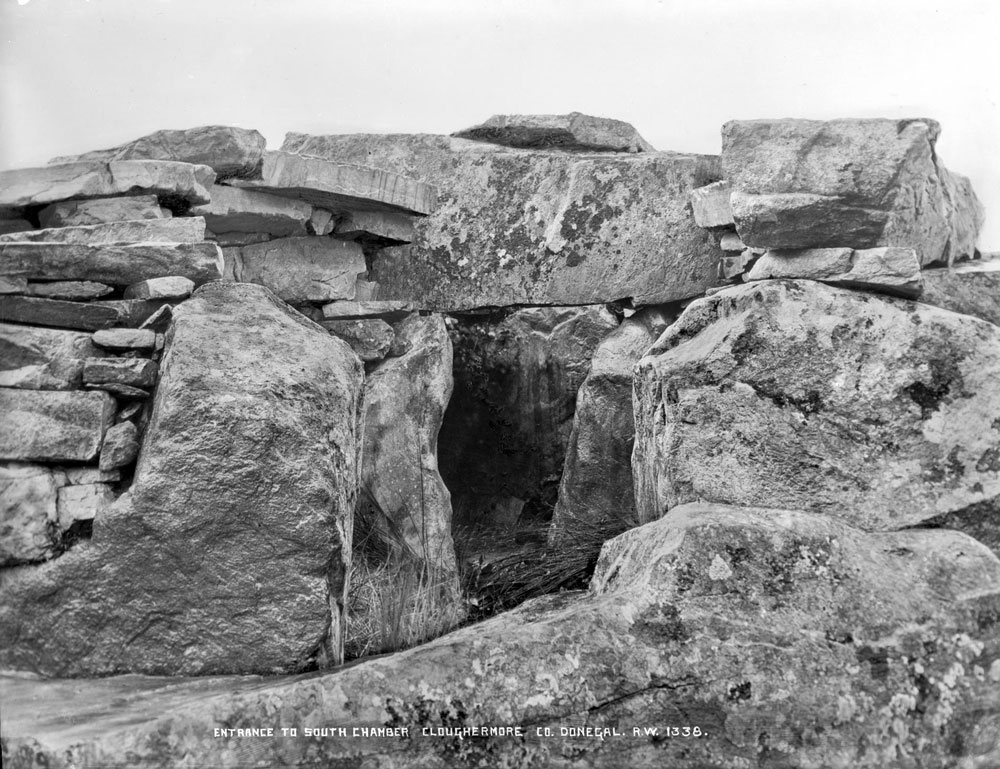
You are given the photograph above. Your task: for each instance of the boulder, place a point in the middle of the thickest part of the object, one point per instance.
(167, 287)
(848, 183)
(595, 492)
(180, 230)
(68, 290)
(119, 264)
(971, 288)
(236, 210)
(878, 650)
(308, 269)
(508, 425)
(28, 512)
(53, 426)
(544, 228)
(83, 213)
(227, 150)
(70, 181)
(43, 358)
(229, 553)
(370, 339)
(572, 132)
(879, 411)
(135, 372)
(340, 186)
(894, 271)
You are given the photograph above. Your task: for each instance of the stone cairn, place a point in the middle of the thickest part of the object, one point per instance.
(775, 370)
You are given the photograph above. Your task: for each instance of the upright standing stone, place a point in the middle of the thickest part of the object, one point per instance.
(229, 554)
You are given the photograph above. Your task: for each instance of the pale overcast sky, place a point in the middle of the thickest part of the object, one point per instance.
(86, 74)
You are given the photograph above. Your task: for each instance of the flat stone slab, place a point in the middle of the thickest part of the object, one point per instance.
(70, 290)
(387, 310)
(179, 230)
(308, 269)
(233, 209)
(376, 224)
(572, 132)
(894, 271)
(170, 287)
(114, 263)
(80, 213)
(85, 316)
(53, 426)
(538, 227)
(43, 358)
(336, 186)
(49, 184)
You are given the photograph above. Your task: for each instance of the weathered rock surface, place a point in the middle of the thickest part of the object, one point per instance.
(14, 225)
(370, 339)
(83, 213)
(596, 489)
(853, 183)
(136, 372)
(227, 150)
(121, 446)
(360, 310)
(516, 379)
(125, 339)
(49, 184)
(378, 225)
(340, 186)
(114, 263)
(243, 571)
(69, 290)
(710, 206)
(42, 358)
(574, 131)
(87, 316)
(236, 210)
(880, 411)
(519, 227)
(168, 287)
(28, 514)
(894, 271)
(405, 401)
(82, 502)
(53, 426)
(309, 269)
(877, 649)
(180, 230)
(971, 288)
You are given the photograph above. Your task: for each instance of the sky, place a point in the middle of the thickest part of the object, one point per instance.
(77, 75)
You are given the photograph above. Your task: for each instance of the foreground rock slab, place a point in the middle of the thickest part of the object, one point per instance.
(574, 131)
(880, 411)
(854, 183)
(180, 230)
(221, 577)
(876, 648)
(537, 228)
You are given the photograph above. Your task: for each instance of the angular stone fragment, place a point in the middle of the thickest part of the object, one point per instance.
(134, 372)
(971, 288)
(229, 239)
(42, 358)
(508, 425)
(70, 181)
(730, 241)
(515, 227)
(180, 230)
(228, 554)
(855, 183)
(69, 290)
(596, 489)
(170, 287)
(52, 426)
(229, 151)
(28, 512)
(83, 502)
(879, 411)
(84, 213)
(320, 222)
(117, 264)
(397, 228)
(365, 291)
(337, 186)
(121, 446)
(710, 205)
(309, 269)
(370, 339)
(76, 476)
(238, 210)
(875, 649)
(120, 391)
(572, 132)
(125, 338)
(387, 310)
(87, 316)
(894, 271)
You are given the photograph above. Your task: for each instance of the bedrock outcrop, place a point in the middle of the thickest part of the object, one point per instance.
(877, 648)
(229, 552)
(519, 226)
(879, 411)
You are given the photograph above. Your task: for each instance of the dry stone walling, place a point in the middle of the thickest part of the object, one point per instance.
(776, 369)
